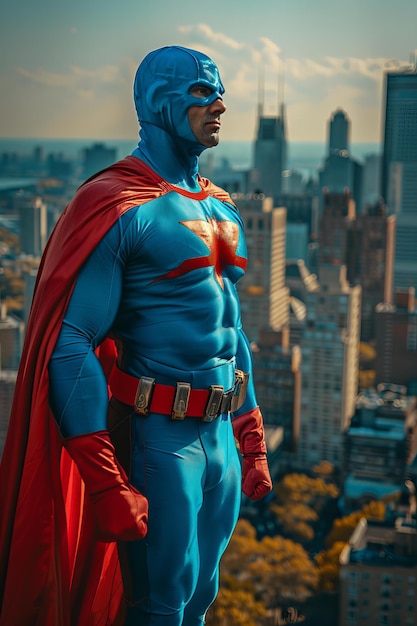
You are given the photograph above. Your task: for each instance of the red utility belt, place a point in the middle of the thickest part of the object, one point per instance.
(147, 396)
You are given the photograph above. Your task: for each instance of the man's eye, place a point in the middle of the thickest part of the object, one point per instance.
(201, 92)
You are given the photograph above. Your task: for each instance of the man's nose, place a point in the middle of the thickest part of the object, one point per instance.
(218, 106)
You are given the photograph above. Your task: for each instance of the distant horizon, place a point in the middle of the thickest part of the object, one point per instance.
(305, 156)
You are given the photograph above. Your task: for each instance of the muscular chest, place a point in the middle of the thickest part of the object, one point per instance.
(180, 239)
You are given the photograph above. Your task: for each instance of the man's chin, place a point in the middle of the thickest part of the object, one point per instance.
(212, 141)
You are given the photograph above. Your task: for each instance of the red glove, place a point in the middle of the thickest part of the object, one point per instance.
(120, 511)
(249, 431)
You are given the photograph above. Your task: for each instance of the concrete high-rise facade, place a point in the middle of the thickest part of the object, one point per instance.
(365, 244)
(11, 339)
(7, 387)
(33, 223)
(263, 296)
(330, 349)
(378, 574)
(399, 169)
(277, 376)
(380, 443)
(97, 157)
(396, 341)
(279, 292)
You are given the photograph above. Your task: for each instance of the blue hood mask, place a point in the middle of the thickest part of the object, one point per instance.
(162, 95)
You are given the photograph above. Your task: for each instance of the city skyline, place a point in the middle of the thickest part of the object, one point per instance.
(69, 73)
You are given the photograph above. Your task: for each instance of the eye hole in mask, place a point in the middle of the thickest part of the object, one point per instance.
(204, 94)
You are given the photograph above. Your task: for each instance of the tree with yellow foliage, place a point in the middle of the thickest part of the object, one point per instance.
(327, 561)
(235, 608)
(300, 488)
(295, 520)
(274, 571)
(343, 528)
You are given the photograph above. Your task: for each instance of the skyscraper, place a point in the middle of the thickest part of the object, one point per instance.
(337, 173)
(329, 368)
(399, 169)
(339, 133)
(270, 154)
(378, 573)
(263, 295)
(365, 244)
(396, 340)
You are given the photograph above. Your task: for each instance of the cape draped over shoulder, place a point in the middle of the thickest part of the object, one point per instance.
(52, 572)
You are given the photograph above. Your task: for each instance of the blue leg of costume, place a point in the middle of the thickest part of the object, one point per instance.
(193, 486)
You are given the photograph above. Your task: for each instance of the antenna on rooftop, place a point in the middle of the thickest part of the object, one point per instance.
(281, 83)
(261, 90)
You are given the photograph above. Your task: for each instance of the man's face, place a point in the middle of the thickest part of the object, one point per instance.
(205, 120)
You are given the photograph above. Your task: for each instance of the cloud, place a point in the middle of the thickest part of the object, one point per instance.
(311, 86)
(76, 76)
(205, 34)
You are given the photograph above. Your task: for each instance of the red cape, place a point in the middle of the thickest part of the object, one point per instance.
(52, 572)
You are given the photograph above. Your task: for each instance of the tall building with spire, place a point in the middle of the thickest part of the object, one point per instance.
(399, 168)
(270, 153)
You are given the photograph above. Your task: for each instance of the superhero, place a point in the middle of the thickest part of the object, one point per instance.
(136, 298)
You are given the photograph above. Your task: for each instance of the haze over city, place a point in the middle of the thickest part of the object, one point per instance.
(66, 69)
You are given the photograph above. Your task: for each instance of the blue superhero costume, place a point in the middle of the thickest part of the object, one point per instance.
(161, 284)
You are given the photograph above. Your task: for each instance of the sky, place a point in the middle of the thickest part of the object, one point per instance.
(66, 68)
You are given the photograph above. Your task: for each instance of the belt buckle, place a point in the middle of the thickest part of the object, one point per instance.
(214, 403)
(182, 395)
(144, 395)
(239, 391)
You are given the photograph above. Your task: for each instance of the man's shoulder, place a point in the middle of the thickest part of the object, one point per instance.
(128, 177)
(213, 190)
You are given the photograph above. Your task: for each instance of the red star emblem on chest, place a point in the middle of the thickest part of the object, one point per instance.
(221, 239)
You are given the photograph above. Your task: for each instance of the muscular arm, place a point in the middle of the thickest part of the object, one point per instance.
(244, 363)
(248, 429)
(78, 389)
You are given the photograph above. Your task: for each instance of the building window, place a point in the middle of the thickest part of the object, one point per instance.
(412, 334)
